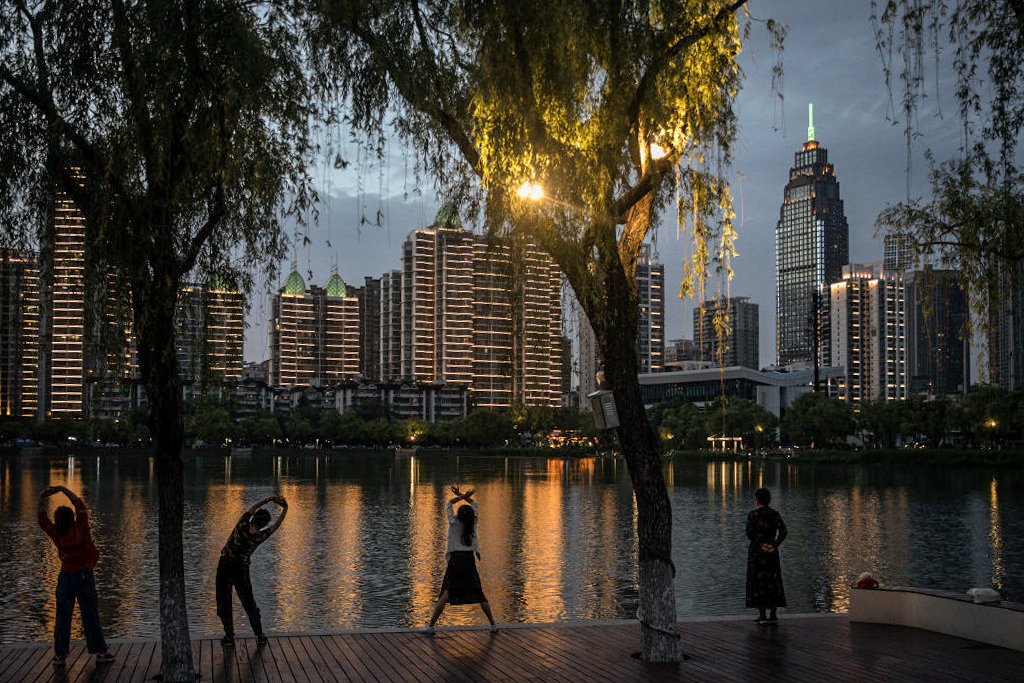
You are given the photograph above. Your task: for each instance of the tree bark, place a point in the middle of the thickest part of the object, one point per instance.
(659, 638)
(154, 306)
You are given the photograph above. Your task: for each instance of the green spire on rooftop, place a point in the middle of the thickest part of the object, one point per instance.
(294, 284)
(810, 121)
(335, 285)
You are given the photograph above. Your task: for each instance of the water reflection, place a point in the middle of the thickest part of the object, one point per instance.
(364, 540)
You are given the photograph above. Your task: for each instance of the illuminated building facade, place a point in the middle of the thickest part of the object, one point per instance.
(650, 340)
(811, 247)
(19, 334)
(864, 331)
(466, 314)
(66, 363)
(437, 303)
(210, 332)
(738, 342)
(390, 348)
(314, 334)
(650, 280)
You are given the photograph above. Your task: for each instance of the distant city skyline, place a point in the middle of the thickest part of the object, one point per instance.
(838, 70)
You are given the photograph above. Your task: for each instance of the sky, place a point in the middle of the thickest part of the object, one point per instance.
(829, 59)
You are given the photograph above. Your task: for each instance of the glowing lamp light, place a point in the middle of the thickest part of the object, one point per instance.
(658, 152)
(531, 190)
(991, 423)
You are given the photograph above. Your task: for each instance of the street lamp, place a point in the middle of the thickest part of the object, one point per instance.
(531, 190)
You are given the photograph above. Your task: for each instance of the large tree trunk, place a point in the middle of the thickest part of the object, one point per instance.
(154, 308)
(642, 450)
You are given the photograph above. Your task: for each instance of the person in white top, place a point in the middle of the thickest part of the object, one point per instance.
(461, 584)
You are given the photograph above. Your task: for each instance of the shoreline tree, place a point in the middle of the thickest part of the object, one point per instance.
(179, 129)
(974, 220)
(572, 124)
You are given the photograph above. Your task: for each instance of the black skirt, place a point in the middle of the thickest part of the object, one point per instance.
(461, 580)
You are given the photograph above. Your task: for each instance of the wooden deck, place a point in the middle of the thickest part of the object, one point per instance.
(800, 649)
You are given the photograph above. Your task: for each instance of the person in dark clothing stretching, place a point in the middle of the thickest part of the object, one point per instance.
(233, 568)
(69, 531)
(766, 532)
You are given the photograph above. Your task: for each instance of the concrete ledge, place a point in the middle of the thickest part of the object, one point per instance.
(946, 612)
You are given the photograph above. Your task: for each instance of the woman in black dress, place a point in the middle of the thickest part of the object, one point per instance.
(461, 584)
(766, 532)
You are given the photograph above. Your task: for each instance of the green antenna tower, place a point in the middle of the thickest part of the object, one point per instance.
(810, 121)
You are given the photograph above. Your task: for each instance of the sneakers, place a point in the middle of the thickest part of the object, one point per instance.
(104, 657)
(227, 641)
(58, 662)
(261, 639)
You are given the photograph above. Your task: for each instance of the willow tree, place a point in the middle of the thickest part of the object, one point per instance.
(575, 122)
(974, 220)
(177, 128)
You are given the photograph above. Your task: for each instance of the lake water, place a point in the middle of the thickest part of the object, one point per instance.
(363, 542)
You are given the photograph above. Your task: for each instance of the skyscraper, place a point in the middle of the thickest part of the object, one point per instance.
(314, 334)
(19, 334)
(811, 247)
(650, 342)
(938, 352)
(864, 330)
(650, 280)
(738, 340)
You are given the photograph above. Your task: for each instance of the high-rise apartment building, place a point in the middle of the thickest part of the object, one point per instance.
(811, 247)
(468, 313)
(650, 340)
(369, 328)
(314, 334)
(1006, 329)
(650, 280)
(437, 302)
(864, 331)
(898, 254)
(391, 326)
(19, 334)
(938, 350)
(65, 343)
(726, 332)
(210, 331)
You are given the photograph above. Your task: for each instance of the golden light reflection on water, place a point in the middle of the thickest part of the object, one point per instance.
(542, 542)
(427, 528)
(363, 544)
(995, 535)
(344, 503)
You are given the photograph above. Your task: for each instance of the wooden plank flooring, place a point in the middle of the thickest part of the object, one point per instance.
(800, 649)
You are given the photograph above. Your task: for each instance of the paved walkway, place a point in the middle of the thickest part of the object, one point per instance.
(809, 648)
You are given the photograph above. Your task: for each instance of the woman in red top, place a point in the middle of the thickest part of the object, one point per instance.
(69, 531)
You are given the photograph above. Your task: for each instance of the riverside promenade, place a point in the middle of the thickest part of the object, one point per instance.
(801, 648)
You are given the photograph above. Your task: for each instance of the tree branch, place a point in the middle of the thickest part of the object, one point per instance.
(645, 185)
(671, 51)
